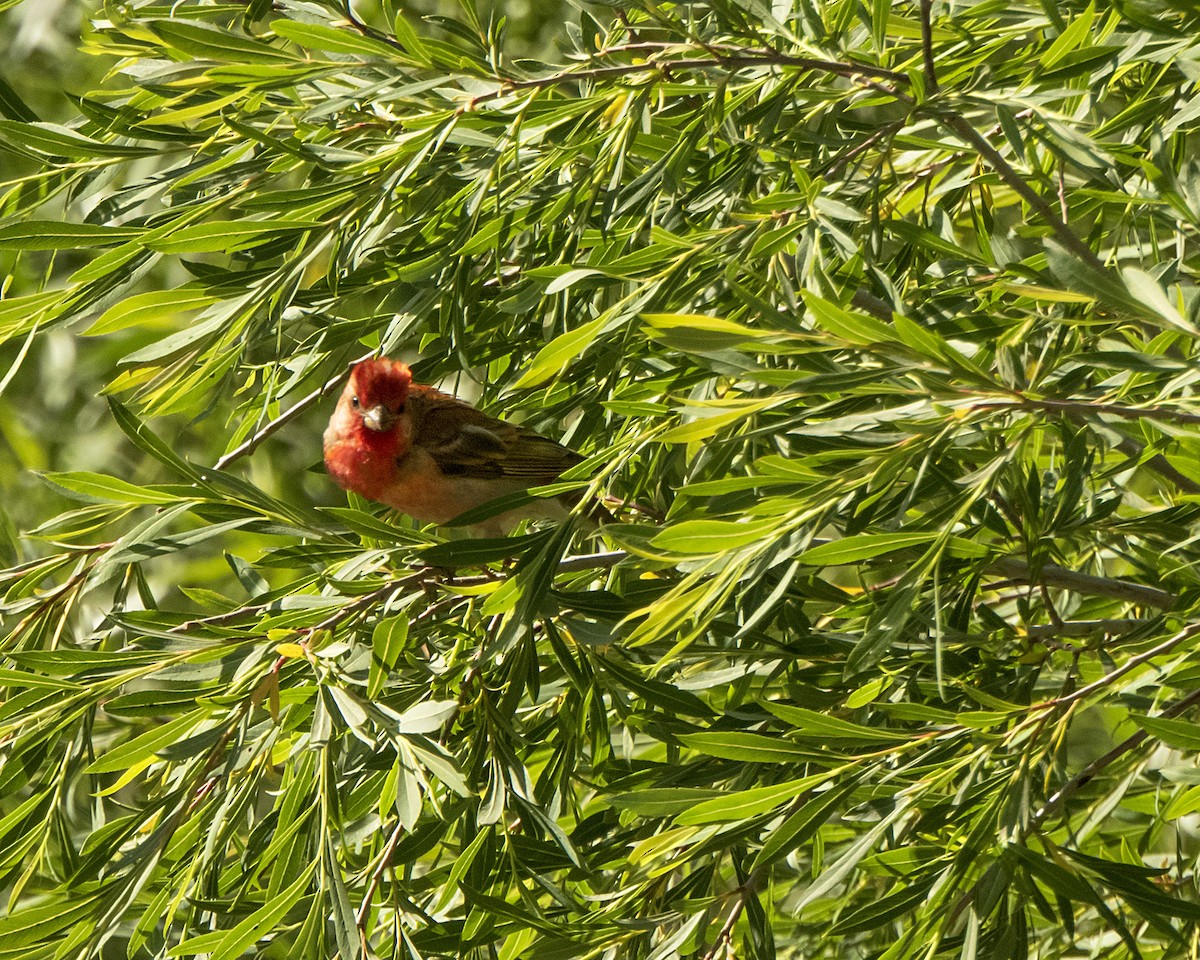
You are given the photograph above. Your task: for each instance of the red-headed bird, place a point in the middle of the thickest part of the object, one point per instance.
(433, 456)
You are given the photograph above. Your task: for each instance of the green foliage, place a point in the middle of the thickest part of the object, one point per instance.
(887, 310)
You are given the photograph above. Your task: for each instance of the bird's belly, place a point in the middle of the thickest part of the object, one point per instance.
(421, 490)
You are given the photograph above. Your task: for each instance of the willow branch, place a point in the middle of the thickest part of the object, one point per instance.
(1127, 667)
(1085, 408)
(730, 58)
(1084, 628)
(1055, 576)
(385, 861)
(1082, 413)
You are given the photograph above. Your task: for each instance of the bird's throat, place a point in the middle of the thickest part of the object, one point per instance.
(364, 462)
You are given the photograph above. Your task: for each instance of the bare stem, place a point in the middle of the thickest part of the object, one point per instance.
(931, 81)
(1053, 575)
(385, 861)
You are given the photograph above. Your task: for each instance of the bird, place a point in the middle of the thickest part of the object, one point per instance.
(433, 456)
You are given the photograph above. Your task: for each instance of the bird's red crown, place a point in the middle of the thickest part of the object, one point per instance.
(382, 381)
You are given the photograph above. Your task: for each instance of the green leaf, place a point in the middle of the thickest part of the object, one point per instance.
(748, 747)
(1143, 289)
(157, 307)
(317, 36)
(54, 235)
(227, 236)
(820, 726)
(57, 141)
(714, 536)
(749, 803)
(210, 43)
(1180, 734)
(144, 746)
(863, 546)
(663, 802)
(387, 642)
(800, 826)
(97, 488)
(554, 357)
(856, 328)
(228, 944)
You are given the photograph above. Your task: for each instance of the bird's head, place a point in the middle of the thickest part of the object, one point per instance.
(378, 391)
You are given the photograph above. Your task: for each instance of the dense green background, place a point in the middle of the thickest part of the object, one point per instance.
(885, 316)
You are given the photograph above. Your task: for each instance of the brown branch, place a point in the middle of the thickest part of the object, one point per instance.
(1086, 407)
(845, 156)
(1081, 412)
(726, 934)
(1053, 575)
(1065, 234)
(385, 861)
(425, 576)
(721, 51)
(1127, 667)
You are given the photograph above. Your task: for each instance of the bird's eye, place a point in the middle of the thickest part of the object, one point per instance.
(400, 408)
(354, 401)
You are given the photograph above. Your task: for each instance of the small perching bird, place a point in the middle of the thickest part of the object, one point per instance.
(433, 456)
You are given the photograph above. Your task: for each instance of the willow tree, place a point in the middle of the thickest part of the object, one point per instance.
(877, 324)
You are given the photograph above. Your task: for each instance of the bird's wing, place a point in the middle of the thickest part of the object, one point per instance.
(465, 442)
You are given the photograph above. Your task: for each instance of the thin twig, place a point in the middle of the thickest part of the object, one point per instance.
(1127, 667)
(1081, 413)
(286, 417)
(385, 861)
(732, 59)
(1087, 407)
(425, 576)
(1084, 628)
(726, 934)
(845, 156)
(1064, 793)
(1065, 234)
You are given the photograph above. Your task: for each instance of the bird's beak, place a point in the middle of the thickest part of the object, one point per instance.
(378, 418)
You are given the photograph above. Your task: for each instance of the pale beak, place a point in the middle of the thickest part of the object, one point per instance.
(378, 418)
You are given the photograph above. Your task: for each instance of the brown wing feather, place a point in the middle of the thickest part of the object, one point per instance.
(465, 442)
